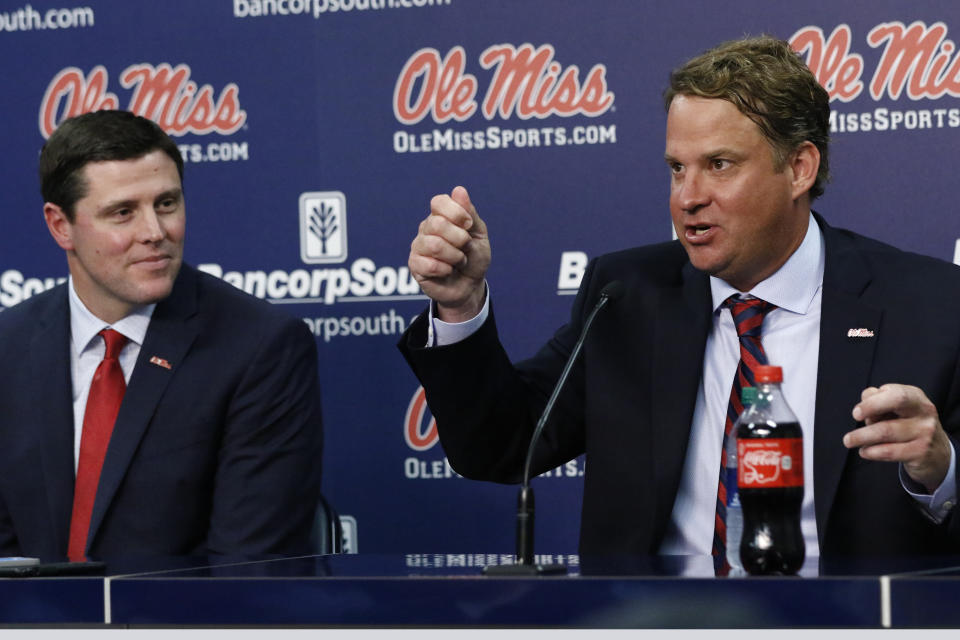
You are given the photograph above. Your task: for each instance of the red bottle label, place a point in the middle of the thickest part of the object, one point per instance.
(769, 463)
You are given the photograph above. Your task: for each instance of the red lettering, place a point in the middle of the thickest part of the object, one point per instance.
(516, 79)
(154, 90)
(595, 98)
(229, 117)
(564, 97)
(70, 94)
(547, 85)
(456, 90)
(529, 83)
(196, 113)
(830, 60)
(416, 438)
(445, 92)
(182, 111)
(916, 57)
(423, 63)
(166, 95)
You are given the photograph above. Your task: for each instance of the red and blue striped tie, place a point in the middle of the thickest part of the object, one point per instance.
(748, 315)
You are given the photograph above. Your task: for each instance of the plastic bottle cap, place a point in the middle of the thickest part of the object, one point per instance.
(767, 373)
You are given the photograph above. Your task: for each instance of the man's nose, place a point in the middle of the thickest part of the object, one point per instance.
(150, 228)
(692, 192)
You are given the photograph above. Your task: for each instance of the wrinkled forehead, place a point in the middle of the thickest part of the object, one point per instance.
(694, 122)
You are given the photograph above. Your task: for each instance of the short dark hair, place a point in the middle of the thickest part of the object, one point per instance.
(99, 136)
(770, 84)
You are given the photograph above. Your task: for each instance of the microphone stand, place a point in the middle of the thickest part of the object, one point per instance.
(525, 500)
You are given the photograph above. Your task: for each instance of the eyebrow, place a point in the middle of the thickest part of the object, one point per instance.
(176, 193)
(722, 152)
(116, 204)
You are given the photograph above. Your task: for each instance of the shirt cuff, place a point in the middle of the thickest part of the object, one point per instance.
(938, 505)
(440, 333)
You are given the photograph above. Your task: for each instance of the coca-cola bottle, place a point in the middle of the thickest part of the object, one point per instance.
(770, 480)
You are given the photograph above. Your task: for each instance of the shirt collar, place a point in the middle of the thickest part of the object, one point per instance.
(794, 285)
(84, 326)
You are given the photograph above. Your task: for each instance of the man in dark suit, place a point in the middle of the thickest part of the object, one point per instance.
(868, 337)
(216, 443)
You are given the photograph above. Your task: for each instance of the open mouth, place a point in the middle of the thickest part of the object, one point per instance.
(699, 233)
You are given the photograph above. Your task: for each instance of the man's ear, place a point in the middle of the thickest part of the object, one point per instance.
(59, 225)
(804, 164)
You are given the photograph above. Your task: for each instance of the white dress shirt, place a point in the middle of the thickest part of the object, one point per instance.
(791, 339)
(87, 350)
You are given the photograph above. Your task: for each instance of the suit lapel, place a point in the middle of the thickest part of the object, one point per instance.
(50, 363)
(683, 322)
(844, 364)
(173, 328)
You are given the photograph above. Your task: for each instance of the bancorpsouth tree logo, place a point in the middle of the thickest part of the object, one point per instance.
(527, 83)
(918, 61)
(163, 93)
(323, 240)
(323, 227)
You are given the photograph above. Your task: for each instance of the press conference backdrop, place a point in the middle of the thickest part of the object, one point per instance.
(316, 131)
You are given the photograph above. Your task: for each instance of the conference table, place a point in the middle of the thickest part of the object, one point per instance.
(449, 589)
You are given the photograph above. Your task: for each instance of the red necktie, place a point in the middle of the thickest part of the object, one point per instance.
(103, 404)
(748, 315)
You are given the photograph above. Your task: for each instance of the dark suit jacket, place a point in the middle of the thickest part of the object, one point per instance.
(630, 399)
(220, 454)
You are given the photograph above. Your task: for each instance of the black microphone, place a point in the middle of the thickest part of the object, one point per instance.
(525, 501)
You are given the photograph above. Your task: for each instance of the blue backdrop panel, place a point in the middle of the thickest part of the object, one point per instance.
(316, 131)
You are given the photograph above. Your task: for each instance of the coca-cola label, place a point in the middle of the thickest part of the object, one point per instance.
(770, 463)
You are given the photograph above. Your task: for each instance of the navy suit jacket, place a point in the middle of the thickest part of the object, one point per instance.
(630, 399)
(217, 454)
